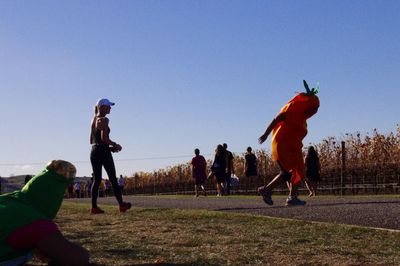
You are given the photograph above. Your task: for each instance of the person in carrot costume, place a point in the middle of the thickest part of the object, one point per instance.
(288, 129)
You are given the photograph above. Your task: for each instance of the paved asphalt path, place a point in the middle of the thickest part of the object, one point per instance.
(378, 212)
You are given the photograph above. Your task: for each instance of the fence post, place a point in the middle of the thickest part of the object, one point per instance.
(185, 182)
(265, 170)
(154, 182)
(180, 179)
(343, 166)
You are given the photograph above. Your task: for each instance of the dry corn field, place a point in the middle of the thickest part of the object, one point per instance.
(369, 164)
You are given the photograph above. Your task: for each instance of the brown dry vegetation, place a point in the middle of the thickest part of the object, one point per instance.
(371, 166)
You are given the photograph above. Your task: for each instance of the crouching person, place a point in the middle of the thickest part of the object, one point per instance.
(26, 223)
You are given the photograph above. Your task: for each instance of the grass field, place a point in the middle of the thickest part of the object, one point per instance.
(193, 237)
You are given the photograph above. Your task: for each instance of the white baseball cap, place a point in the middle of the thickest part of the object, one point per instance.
(105, 102)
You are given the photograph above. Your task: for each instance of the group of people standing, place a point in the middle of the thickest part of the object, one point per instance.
(83, 189)
(223, 173)
(222, 168)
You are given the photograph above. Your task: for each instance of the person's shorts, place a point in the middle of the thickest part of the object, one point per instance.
(200, 181)
(251, 173)
(220, 177)
(313, 177)
(228, 177)
(26, 237)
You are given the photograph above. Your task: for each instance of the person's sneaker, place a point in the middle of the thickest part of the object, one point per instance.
(266, 195)
(124, 206)
(294, 201)
(96, 211)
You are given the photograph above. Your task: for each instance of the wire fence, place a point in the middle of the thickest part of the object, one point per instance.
(378, 178)
(359, 179)
(339, 176)
(375, 179)
(343, 172)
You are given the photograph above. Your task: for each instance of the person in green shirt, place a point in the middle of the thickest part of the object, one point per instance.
(27, 216)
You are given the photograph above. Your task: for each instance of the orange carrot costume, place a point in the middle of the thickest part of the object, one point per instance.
(287, 135)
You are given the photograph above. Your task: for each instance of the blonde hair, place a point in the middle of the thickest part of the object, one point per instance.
(96, 110)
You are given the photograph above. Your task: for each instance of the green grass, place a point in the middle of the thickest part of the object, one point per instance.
(194, 237)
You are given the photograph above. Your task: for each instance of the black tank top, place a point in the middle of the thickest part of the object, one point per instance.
(96, 136)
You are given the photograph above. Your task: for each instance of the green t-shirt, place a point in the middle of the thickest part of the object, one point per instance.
(39, 199)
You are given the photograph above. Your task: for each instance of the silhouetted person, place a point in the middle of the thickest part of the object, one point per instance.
(199, 168)
(250, 166)
(77, 189)
(229, 169)
(218, 169)
(313, 169)
(100, 155)
(121, 183)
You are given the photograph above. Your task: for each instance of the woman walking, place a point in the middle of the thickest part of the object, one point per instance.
(313, 169)
(199, 169)
(250, 168)
(218, 169)
(100, 155)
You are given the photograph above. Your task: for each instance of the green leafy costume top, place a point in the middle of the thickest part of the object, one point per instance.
(39, 199)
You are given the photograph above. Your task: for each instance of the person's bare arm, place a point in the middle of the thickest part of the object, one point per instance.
(279, 118)
(60, 251)
(102, 124)
(192, 166)
(91, 128)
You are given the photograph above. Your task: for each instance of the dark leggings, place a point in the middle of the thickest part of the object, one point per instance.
(101, 156)
(228, 183)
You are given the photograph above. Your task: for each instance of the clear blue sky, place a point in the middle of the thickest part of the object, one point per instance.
(187, 74)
